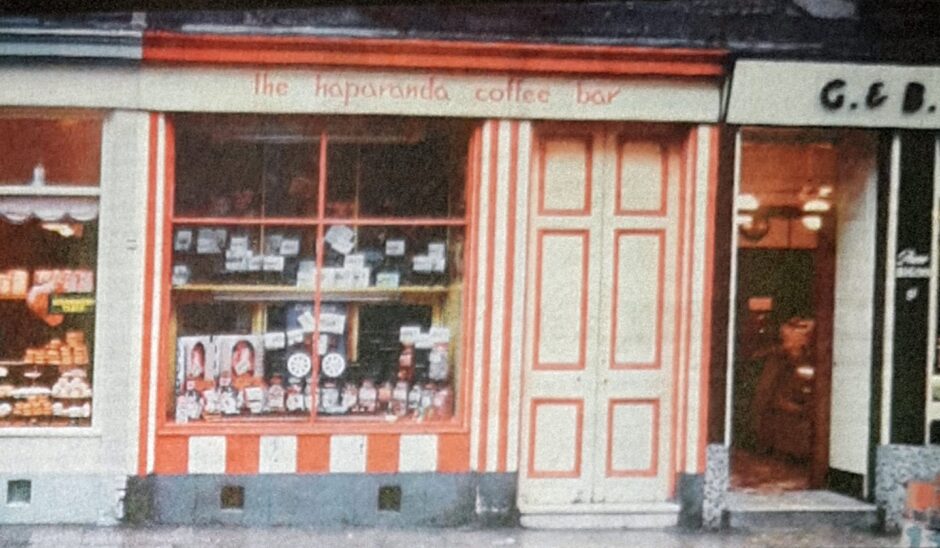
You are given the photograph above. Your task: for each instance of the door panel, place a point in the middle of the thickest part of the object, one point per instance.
(601, 294)
(641, 178)
(557, 435)
(632, 438)
(562, 292)
(565, 175)
(636, 311)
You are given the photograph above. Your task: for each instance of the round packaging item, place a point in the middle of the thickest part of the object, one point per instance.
(299, 364)
(333, 365)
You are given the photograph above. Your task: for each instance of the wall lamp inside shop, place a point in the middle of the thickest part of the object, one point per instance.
(754, 225)
(747, 202)
(812, 222)
(816, 205)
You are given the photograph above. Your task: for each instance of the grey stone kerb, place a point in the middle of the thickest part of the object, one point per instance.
(896, 465)
(715, 501)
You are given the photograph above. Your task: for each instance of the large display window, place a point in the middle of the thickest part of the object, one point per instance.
(317, 267)
(49, 185)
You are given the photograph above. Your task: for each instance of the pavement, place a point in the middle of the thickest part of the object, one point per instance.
(238, 537)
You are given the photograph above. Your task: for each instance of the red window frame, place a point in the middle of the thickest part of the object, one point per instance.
(463, 378)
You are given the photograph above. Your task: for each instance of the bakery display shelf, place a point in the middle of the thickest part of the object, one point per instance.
(72, 398)
(27, 396)
(292, 293)
(12, 297)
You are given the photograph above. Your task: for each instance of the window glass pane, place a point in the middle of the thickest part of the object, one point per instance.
(411, 171)
(245, 167)
(61, 150)
(47, 319)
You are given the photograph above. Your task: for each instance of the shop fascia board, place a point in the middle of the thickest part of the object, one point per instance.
(362, 90)
(834, 94)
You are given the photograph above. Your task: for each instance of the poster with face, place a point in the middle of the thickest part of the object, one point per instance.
(196, 358)
(240, 355)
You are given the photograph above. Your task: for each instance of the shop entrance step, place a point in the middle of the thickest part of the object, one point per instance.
(652, 515)
(797, 509)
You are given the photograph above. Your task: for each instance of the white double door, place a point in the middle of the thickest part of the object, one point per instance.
(601, 304)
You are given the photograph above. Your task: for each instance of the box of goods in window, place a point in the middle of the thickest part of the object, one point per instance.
(241, 357)
(241, 362)
(72, 353)
(196, 359)
(19, 282)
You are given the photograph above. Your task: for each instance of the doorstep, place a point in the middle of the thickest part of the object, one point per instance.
(655, 515)
(796, 509)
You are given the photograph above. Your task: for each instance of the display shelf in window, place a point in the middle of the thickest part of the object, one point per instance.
(292, 293)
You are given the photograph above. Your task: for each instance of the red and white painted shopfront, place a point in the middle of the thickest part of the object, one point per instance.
(554, 205)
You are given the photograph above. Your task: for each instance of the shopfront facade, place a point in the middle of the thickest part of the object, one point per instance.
(831, 233)
(340, 281)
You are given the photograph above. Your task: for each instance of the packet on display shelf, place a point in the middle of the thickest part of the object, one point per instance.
(290, 246)
(421, 263)
(388, 280)
(408, 334)
(183, 240)
(341, 238)
(395, 247)
(275, 340)
(237, 247)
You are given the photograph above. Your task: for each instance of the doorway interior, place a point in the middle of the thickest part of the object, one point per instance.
(802, 195)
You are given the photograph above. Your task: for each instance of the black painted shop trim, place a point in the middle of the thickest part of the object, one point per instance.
(878, 321)
(846, 483)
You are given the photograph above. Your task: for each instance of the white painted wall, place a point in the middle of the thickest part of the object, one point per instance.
(856, 211)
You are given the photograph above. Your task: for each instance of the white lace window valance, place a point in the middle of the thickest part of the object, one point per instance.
(18, 209)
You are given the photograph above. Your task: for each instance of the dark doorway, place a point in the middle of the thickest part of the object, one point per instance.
(782, 365)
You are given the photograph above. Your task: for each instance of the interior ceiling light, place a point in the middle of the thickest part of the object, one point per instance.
(825, 191)
(747, 202)
(812, 222)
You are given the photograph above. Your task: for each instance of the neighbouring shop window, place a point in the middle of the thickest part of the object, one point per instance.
(317, 268)
(49, 170)
(67, 149)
